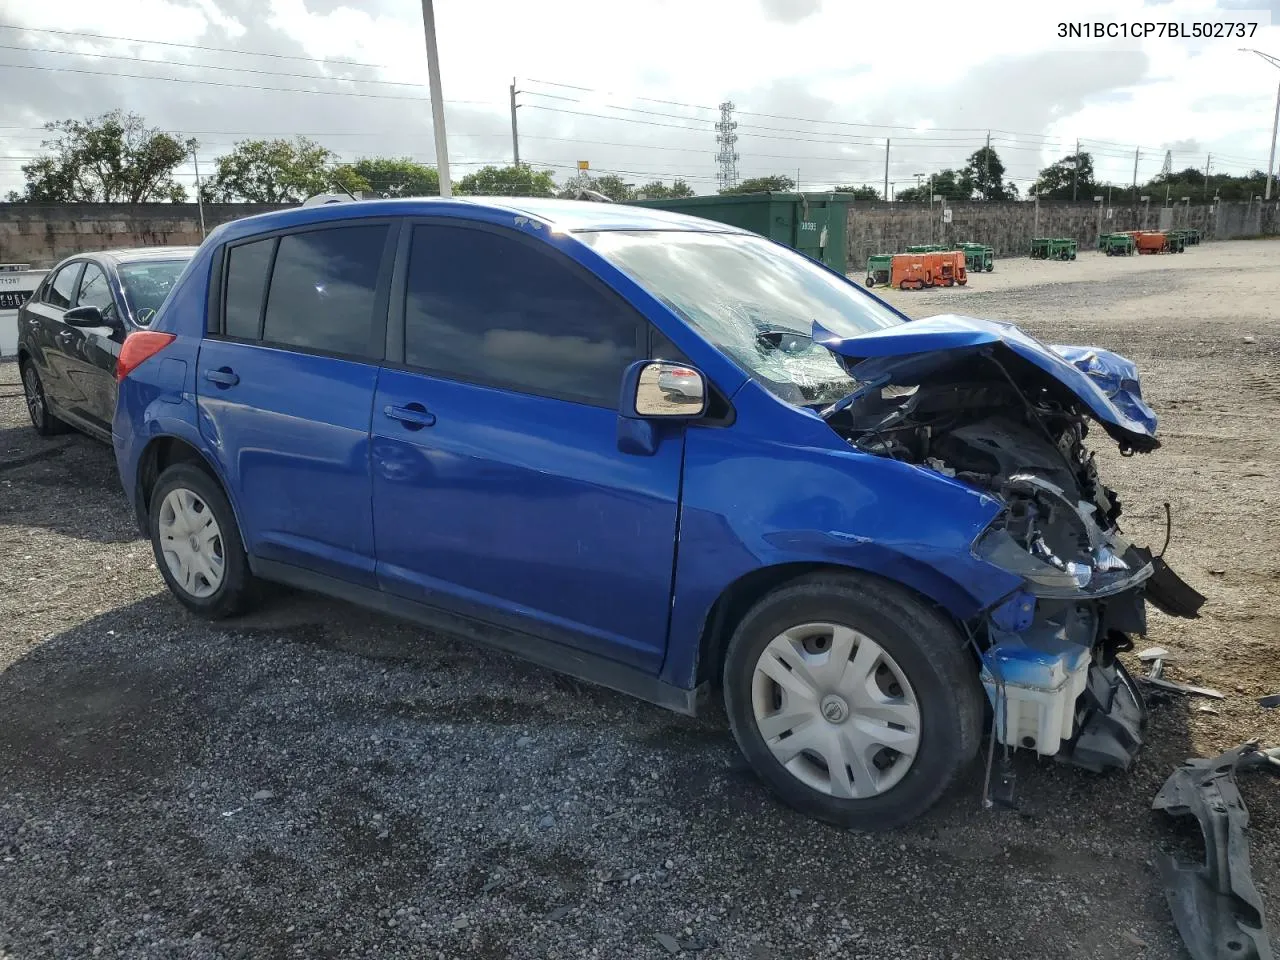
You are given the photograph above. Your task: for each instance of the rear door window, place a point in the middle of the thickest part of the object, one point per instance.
(323, 290)
(63, 288)
(247, 266)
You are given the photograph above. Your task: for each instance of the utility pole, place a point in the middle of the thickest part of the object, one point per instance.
(1275, 124)
(199, 198)
(1207, 160)
(1075, 172)
(886, 169)
(1137, 152)
(437, 99)
(986, 173)
(515, 133)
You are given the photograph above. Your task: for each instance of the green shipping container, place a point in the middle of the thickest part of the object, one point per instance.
(813, 223)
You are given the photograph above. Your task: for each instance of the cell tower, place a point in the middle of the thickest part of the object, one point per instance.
(725, 140)
(1167, 170)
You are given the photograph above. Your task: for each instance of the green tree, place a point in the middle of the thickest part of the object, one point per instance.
(984, 173)
(521, 181)
(613, 187)
(276, 171)
(772, 184)
(112, 158)
(1073, 174)
(390, 177)
(948, 184)
(657, 190)
(860, 193)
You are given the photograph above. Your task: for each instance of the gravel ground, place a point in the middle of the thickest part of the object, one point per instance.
(314, 781)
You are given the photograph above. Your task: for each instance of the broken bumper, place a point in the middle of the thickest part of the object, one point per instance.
(1215, 905)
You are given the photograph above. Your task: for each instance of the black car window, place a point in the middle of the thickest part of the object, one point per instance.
(63, 288)
(492, 309)
(95, 292)
(323, 288)
(247, 266)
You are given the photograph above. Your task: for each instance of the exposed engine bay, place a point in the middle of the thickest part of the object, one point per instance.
(1048, 652)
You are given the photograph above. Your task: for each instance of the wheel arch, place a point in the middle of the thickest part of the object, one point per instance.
(736, 599)
(160, 453)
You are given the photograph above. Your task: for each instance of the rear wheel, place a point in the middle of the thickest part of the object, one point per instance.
(852, 700)
(44, 422)
(197, 543)
(871, 281)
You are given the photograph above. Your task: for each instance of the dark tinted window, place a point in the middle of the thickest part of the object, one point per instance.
(491, 309)
(94, 291)
(322, 290)
(246, 283)
(63, 287)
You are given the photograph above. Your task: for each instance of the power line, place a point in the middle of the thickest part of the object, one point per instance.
(240, 86)
(211, 66)
(189, 46)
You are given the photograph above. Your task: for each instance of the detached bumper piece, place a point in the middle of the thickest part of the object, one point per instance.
(1216, 907)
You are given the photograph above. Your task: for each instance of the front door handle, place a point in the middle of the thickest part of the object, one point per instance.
(413, 415)
(223, 377)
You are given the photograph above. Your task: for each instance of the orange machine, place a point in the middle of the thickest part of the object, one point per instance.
(1150, 242)
(948, 268)
(911, 271)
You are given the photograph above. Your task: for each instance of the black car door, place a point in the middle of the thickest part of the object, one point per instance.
(49, 336)
(91, 363)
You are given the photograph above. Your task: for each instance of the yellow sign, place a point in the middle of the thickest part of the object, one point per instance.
(584, 165)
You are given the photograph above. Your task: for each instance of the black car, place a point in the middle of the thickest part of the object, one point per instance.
(70, 332)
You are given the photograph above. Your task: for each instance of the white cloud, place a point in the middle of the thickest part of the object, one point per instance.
(938, 74)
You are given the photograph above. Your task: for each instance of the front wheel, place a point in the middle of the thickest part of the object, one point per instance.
(197, 543)
(853, 700)
(871, 281)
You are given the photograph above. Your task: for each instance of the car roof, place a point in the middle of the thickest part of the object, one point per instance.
(139, 254)
(573, 216)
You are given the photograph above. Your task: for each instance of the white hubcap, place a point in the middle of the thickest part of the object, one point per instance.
(836, 710)
(191, 543)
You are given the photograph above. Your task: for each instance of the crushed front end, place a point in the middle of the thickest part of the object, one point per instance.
(1009, 416)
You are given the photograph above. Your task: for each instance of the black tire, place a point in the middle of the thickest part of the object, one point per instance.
(42, 420)
(238, 587)
(926, 646)
(871, 281)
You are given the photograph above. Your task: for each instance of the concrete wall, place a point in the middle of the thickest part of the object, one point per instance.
(41, 234)
(1009, 227)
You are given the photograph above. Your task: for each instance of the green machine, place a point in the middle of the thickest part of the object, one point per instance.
(1053, 248)
(1116, 244)
(879, 267)
(816, 224)
(978, 257)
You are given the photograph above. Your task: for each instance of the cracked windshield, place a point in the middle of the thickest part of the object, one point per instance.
(754, 300)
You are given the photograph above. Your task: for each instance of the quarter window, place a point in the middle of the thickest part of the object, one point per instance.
(493, 309)
(247, 266)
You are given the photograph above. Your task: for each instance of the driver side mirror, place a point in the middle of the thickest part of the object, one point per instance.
(661, 389)
(86, 317)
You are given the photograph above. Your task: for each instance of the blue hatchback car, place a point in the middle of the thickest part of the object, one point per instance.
(664, 455)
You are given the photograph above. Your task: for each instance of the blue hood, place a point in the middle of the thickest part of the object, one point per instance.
(1105, 382)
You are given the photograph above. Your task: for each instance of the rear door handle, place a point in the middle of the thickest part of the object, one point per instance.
(413, 415)
(223, 377)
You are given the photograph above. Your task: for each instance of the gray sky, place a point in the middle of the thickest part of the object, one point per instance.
(632, 88)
